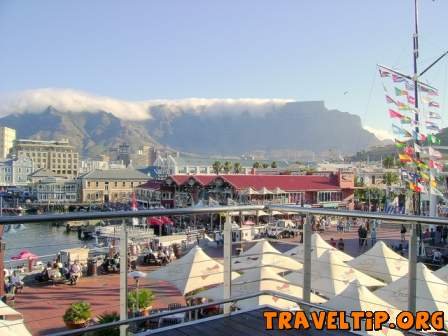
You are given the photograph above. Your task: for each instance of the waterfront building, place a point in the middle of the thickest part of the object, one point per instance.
(54, 189)
(14, 172)
(334, 190)
(89, 165)
(58, 156)
(152, 193)
(7, 137)
(113, 185)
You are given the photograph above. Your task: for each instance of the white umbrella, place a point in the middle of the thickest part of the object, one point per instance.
(256, 280)
(194, 270)
(264, 191)
(13, 328)
(442, 273)
(319, 246)
(432, 292)
(330, 275)
(264, 254)
(381, 262)
(358, 298)
(249, 191)
(7, 310)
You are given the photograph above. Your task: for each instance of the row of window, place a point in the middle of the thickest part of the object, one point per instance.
(115, 184)
(329, 196)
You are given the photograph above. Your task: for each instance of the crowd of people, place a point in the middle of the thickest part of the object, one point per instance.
(57, 271)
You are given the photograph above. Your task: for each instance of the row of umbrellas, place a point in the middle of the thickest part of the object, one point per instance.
(263, 191)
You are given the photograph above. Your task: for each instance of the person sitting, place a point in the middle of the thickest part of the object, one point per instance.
(54, 274)
(341, 244)
(436, 256)
(16, 282)
(332, 242)
(75, 272)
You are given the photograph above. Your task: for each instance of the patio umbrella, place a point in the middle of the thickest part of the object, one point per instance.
(264, 191)
(381, 262)
(25, 254)
(330, 275)
(256, 280)
(154, 221)
(263, 254)
(166, 220)
(318, 246)
(359, 298)
(432, 292)
(13, 328)
(442, 273)
(249, 222)
(194, 270)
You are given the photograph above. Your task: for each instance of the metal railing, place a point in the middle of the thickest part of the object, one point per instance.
(307, 231)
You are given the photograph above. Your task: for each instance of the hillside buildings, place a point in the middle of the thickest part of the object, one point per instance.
(58, 156)
(7, 137)
(15, 172)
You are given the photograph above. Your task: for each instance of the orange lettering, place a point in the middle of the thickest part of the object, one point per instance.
(332, 320)
(301, 321)
(437, 320)
(357, 316)
(405, 320)
(283, 320)
(343, 324)
(318, 319)
(380, 318)
(421, 320)
(269, 316)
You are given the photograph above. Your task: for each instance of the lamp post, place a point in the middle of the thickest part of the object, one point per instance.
(137, 275)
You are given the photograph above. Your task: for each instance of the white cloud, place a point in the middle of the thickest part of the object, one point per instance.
(65, 100)
(379, 133)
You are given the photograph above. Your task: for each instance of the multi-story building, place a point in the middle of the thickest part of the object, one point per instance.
(56, 190)
(144, 156)
(89, 165)
(14, 172)
(113, 185)
(7, 137)
(58, 156)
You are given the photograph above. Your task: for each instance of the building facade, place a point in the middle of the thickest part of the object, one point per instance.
(56, 190)
(58, 156)
(7, 137)
(15, 172)
(114, 185)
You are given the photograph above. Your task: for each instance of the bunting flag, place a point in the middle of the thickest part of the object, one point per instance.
(397, 78)
(409, 86)
(418, 136)
(417, 148)
(425, 176)
(421, 164)
(411, 100)
(399, 92)
(408, 151)
(423, 88)
(384, 73)
(433, 128)
(434, 139)
(436, 192)
(404, 158)
(431, 91)
(395, 114)
(426, 99)
(433, 183)
(435, 165)
(406, 120)
(417, 187)
(400, 144)
(434, 153)
(390, 100)
(403, 106)
(400, 131)
(434, 104)
(434, 115)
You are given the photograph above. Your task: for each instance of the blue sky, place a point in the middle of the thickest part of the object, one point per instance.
(142, 49)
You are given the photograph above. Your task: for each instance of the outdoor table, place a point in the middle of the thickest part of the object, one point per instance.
(179, 317)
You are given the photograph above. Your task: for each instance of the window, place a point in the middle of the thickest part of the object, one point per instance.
(96, 184)
(88, 184)
(124, 184)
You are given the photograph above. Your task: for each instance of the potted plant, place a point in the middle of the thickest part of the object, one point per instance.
(145, 297)
(78, 315)
(108, 317)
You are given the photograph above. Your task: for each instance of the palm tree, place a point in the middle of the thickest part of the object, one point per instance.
(391, 178)
(217, 167)
(389, 162)
(227, 167)
(237, 168)
(256, 164)
(274, 164)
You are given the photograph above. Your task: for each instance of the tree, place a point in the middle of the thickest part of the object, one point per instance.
(391, 178)
(389, 162)
(265, 165)
(237, 168)
(256, 164)
(217, 167)
(227, 167)
(274, 164)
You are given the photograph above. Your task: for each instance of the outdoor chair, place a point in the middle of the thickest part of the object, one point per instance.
(174, 306)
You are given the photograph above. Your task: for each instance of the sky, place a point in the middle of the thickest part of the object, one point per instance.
(286, 49)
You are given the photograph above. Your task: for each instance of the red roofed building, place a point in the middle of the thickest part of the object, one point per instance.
(332, 190)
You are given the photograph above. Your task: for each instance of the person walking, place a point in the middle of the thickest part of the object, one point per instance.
(360, 236)
(403, 232)
(373, 235)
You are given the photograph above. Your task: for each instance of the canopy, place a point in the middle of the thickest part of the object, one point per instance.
(442, 273)
(358, 298)
(264, 254)
(381, 262)
(166, 220)
(154, 221)
(194, 270)
(262, 213)
(249, 191)
(7, 310)
(264, 191)
(25, 254)
(256, 280)
(318, 246)
(432, 292)
(13, 328)
(330, 275)
(279, 191)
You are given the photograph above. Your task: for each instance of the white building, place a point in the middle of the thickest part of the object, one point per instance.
(89, 165)
(7, 137)
(14, 172)
(54, 189)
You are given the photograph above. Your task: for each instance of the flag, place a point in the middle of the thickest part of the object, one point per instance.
(390, 100)
(399, 92)
(433, 183)
(434, 139)
(400, 131)
(423, 88)
(421, 188)
(433, 128)
(435, 115)
(417, 148)
(426, 99)
(403, 106)
(434, 104)
(397, 79)
(406, 120)
(436, 192)
(433, 92)
(435, 165)
(409, 86)
(400, 144)
(404, 158)
(434, 153)
(384, 73)
(408, 150)
(411, 100)
(395, 114)
(421, 164)
(418, 136)
(425, 176)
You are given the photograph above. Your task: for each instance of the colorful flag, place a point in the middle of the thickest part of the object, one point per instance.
(404, 158)
(435, 165)
(411, 100)
(390, 100)
(409, 86)
(400, 144)
(426, 99)
(399, 92)
(417, 148)
(418, 136)
(397, 79)
(436, 192)
(400, 131)
(424, 176)
(403, 106)
(384, 73)
(434, 104)
(434, 153)
(408, 150)
(406, 120)
(421, 164)
(434, 115)
(433, 128)
(434, 139)
(423, 88)
(395, 114)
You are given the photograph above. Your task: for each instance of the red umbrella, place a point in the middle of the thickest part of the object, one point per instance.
(249, 222)
(25, 254)
(154, 221)
(166, 220)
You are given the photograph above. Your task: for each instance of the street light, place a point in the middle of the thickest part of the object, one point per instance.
(137, 275)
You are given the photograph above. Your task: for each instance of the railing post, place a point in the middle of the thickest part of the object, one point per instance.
(307, 259)
(227, 262)
(412, 273)
(123, 277)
